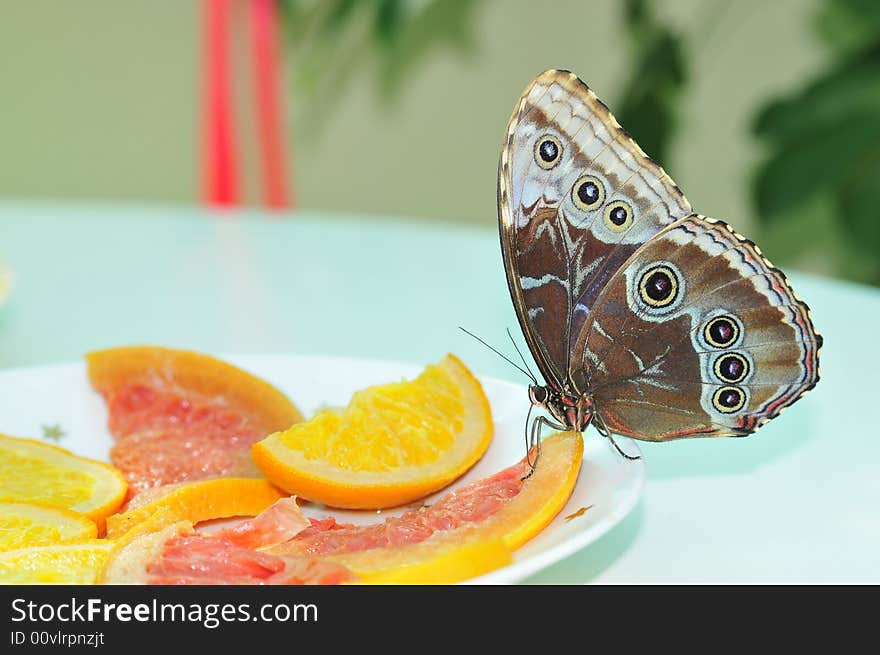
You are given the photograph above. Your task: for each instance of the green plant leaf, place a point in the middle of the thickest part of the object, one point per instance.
(848, 25)
(828, 156)
(388, 20)
(439, 24)
(823, 145)
(332, 42)
(648, 107)
(858, 199)
(846, 90)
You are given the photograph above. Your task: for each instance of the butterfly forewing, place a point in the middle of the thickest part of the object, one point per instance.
(576, 198)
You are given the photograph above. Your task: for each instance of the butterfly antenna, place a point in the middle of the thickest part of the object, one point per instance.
(502, 356)
(518, 352)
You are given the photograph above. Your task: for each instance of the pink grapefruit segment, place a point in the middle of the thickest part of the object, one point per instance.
(181, 416)
(471, 504)
(468, 532)
(155, 552)
(211, 560)
(502, 505)
(279, 523)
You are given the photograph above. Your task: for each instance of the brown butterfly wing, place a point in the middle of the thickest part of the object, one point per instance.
(560, 250)
(726, 351)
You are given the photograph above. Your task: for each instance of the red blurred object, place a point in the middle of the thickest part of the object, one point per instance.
(266, 74)
(220, 169)
(220, 159)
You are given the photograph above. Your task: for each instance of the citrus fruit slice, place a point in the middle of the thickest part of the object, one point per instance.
(175, 554)
(35, 472)
(281, 522)
(394, 443)
(133, 551)
(469, 532)
(470, 526)
(24, 525)
(204, 500)
(76, 563)
(179, 415)
(199, 559)
(443, 560)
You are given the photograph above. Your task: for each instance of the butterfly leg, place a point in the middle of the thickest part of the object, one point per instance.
(627, 456)
(529, 427)
(535, 436)
(535, 441)
(603, 430)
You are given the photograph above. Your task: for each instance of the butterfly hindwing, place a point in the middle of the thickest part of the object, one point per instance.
(576, 198)
(697, 335)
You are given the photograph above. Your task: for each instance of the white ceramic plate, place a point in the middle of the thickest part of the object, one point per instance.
(31, 398)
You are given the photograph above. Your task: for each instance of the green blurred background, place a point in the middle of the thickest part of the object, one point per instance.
(767, 114)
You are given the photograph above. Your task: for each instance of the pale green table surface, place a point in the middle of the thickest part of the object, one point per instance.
(799, 502)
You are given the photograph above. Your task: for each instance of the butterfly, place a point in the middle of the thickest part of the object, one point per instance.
(646, 319)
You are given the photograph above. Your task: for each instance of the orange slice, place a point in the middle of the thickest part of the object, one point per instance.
(468, 532)
(181, 416)
(394, 443)
(76, 563)
(195, 502)
(24, 525)
(35, 472)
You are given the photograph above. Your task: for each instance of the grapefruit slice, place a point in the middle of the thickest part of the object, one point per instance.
(204, 500)
(393, 444)
(469, 532)
(24, 525)
(132, 552)
(181, 416)
(281, 522)
(444, 560)
(35, 472)
(175, 554)
(472, 526)
(199, 559)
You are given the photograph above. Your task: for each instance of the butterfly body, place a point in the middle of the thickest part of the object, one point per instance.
(644, 317)
(570, 410)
